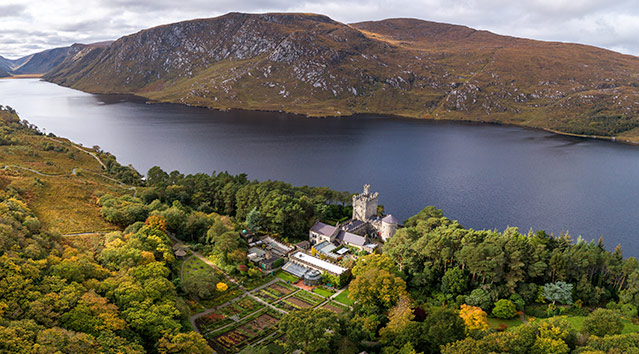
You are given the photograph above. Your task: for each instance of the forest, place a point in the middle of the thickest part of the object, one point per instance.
(437, 287)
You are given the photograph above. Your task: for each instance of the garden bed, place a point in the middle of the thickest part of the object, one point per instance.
(280, 289)
(285, 306)
(310, 298)
(212, 321)
(335, 307)
(249, 330)
(266, 296)
(247, 305)
(300, 304)
(224, 315)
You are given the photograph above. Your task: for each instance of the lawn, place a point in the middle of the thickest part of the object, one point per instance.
(343, 298)
(495, 322)
(286, 276)
(324, 292)
(577, 323)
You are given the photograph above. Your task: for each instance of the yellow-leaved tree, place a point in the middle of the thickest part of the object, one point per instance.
(222, 286)
(474, 317)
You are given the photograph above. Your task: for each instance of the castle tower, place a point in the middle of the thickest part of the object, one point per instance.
(389, 226)
(365, 204)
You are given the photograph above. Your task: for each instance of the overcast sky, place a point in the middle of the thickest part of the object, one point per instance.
(28, 26)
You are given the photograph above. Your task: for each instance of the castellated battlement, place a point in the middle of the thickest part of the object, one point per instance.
(365, 204)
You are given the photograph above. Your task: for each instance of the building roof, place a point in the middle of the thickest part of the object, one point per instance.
(354, 224)
(351, 238)
(313, 274)
(180, 252)
(318, 247)
(323, 229)
(303, 244)
(390, 219)
(326, 249)
(277, 246)
(321, 264)
(256, 251)
(295, 269)
(269, 260)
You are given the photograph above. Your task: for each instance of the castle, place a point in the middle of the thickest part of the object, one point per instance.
(357, 231)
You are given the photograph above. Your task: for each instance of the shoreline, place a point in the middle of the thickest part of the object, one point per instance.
(23, 76)
(354, 115)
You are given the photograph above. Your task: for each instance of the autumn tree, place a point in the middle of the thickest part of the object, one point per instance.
(183, 343)
(156, 221)
(399, 316)
(474, 318)
(310, 330)
(377, 289)
(374, 261)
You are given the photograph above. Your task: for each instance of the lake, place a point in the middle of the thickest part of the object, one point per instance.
(485, 176)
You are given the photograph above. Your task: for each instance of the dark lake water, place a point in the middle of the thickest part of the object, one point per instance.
(484, 176)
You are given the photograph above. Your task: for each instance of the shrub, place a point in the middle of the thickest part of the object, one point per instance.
(504, 309)
(602, 322)
(629, 310)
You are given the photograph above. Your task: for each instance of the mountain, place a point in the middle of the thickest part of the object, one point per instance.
(5, 66)
(8, 66)
(42, 62)
(311, 64)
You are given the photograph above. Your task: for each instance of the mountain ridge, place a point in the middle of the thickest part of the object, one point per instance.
(313, 65)
(41, 62)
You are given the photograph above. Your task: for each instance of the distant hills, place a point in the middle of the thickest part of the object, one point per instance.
(39, 63)
(311, 64)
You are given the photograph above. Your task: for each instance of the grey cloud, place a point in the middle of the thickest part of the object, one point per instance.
(12, 10)
(612, 25)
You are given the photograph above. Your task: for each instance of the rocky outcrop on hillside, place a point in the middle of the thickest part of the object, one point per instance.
(310, 64)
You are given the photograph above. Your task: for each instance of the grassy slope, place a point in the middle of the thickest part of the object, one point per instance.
(64, 203)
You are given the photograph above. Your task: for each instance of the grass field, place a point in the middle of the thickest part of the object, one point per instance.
(323, 292)
(286, 276)
(343, 298)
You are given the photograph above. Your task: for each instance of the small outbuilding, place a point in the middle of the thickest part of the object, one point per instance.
(180, 253)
